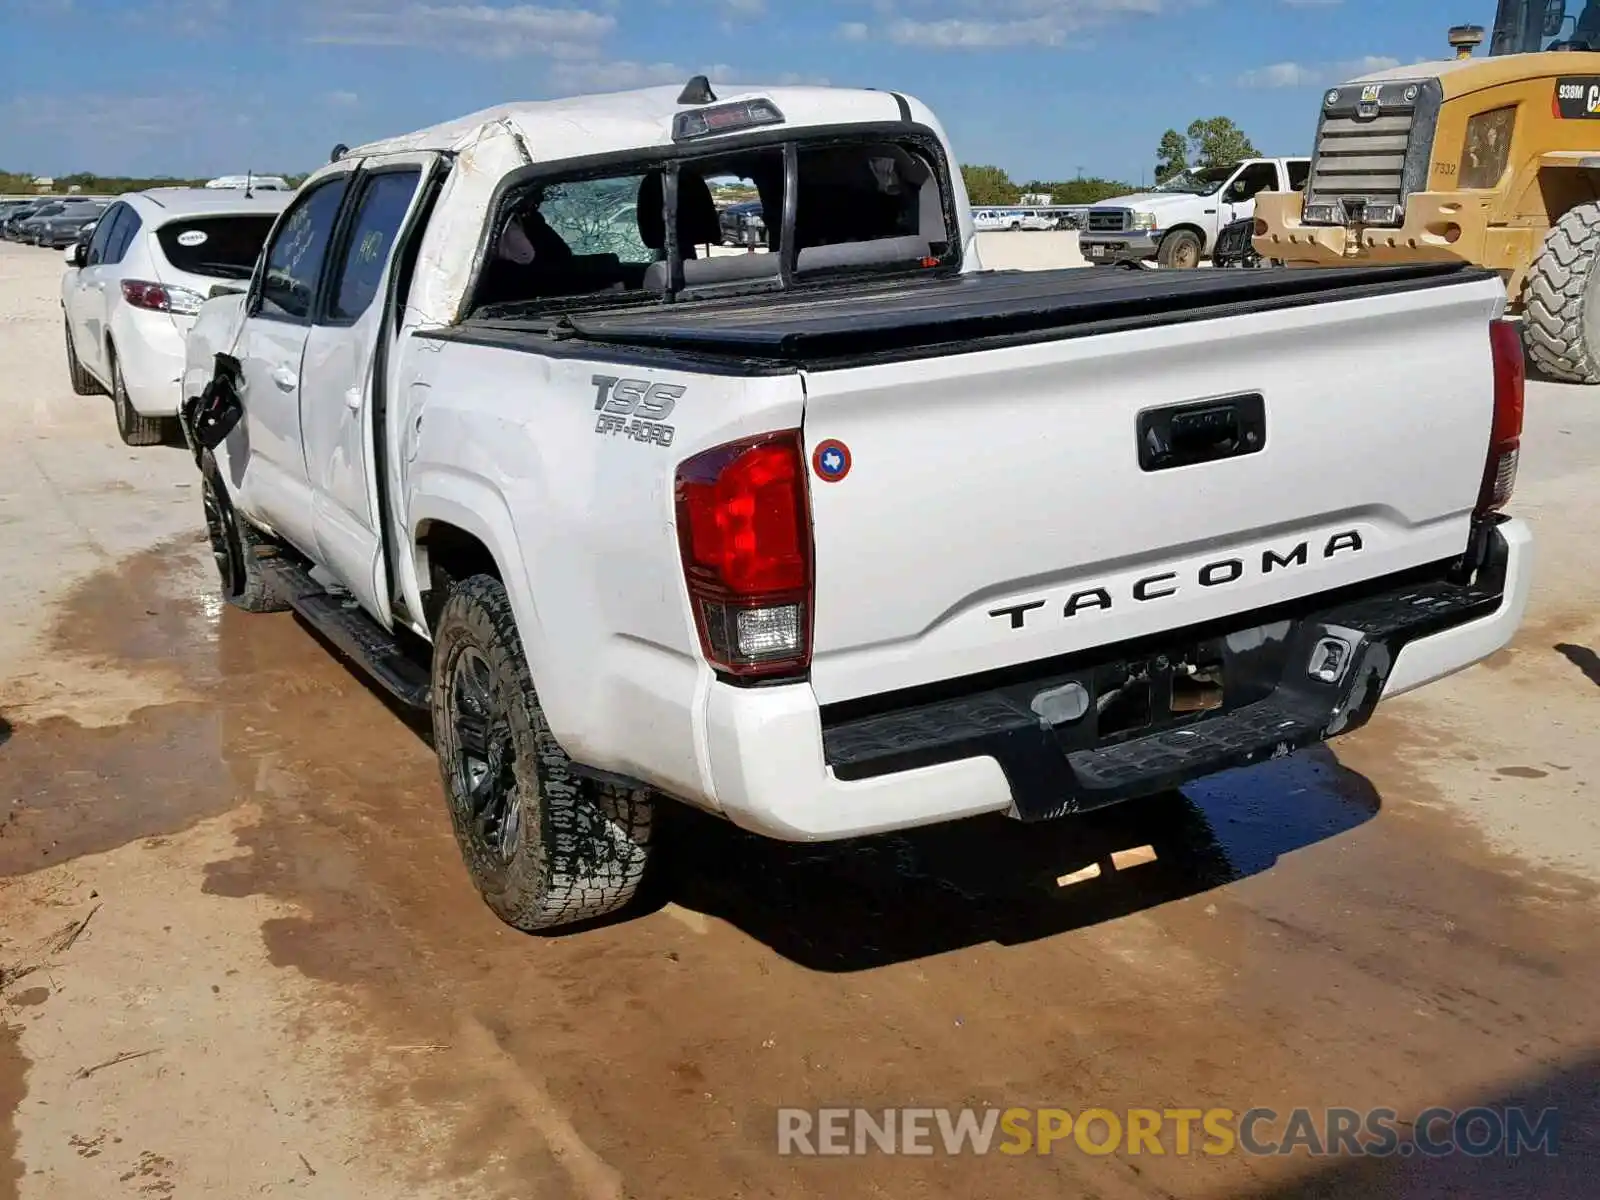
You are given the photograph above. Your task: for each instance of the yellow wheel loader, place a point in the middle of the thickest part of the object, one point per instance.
(1492, 160)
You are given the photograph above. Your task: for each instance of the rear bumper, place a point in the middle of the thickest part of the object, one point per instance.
(1436, 227)
(782, 767)
(151, 350)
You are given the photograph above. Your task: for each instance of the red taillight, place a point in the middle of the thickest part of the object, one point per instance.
(744, 530)
(1505, 436)
(142, 294)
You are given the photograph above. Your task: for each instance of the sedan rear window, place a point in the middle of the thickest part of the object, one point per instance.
(221, 247)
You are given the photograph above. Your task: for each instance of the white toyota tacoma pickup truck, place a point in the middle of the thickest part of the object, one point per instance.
(843, 535)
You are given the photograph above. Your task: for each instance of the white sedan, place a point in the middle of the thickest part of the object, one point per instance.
(130, 294)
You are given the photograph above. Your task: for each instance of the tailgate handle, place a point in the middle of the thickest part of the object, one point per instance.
(1183, 435)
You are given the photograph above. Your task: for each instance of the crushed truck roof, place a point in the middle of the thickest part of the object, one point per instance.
(491, 145)
(579, 126)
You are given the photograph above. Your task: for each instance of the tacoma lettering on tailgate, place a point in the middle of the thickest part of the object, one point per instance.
(1168, 583)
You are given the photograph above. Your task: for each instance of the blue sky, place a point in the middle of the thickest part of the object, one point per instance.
(1040, 87)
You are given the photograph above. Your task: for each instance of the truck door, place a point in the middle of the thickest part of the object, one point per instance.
(272, 482)
(1239, 196)
(341, 361)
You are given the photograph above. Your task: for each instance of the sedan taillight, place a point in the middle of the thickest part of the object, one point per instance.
(158, 297)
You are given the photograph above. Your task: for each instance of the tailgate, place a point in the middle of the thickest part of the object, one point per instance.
(995, 509)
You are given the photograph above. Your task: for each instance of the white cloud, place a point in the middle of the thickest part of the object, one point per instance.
(997, 24)
(1308, 75)
(342, 99)
(487, 30)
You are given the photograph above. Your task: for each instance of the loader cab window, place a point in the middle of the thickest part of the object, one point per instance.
(1586, 32)
(603, 238)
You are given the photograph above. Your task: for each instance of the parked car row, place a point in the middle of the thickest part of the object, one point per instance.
(49, 221)
(990, 220)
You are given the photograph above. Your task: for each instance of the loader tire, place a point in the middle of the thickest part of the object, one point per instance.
(1561, 323)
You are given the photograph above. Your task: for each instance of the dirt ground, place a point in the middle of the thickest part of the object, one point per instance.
(239, 956)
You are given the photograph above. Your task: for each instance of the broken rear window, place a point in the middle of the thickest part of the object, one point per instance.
(861, 204)
(221, 247)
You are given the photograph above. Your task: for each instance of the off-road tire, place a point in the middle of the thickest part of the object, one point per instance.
(244, 555)
(134, 429)
(1180, 249)
(577, 850)
(83, 383)
(1561, 313)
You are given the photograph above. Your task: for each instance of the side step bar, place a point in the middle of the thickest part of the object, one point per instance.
(345, 625)
(356, 636)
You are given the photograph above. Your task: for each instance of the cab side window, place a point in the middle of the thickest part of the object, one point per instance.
(1257, 177)
(1299, 172)
(385, 199)
(122, 236)
(298, 249)
(103, 233)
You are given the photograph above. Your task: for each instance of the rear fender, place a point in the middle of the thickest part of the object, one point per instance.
(475, 506)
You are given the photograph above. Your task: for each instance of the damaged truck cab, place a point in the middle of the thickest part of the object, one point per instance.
(840, 534)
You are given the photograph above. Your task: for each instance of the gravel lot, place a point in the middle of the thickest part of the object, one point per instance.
(239, 957)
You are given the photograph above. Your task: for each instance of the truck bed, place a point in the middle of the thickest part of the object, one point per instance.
(883, 320)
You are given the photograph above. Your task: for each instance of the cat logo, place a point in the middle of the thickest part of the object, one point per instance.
(1369, 93)
(1577, 98)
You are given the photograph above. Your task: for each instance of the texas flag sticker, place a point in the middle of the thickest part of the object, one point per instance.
(831, 460)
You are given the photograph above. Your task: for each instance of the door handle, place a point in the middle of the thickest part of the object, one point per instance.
(1188, 434)
(352, 399)
(285, 378)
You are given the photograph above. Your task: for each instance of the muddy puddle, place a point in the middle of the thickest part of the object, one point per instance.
(1312, 932)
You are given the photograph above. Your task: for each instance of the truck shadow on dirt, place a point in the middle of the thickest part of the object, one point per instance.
(1523, 1171)
(868, 902)
(5, 731)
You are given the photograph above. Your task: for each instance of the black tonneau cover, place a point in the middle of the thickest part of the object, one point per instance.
(880, 318)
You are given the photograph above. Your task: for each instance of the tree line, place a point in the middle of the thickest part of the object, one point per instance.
(21, 183)
(1209, 142)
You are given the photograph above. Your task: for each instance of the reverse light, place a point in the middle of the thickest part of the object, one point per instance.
(158, 297)
(1505, 435)
(1320, 214)
(724, 118)
(744, 532)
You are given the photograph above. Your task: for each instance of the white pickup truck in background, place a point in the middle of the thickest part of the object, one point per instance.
(846, 537)
(1176, 222)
